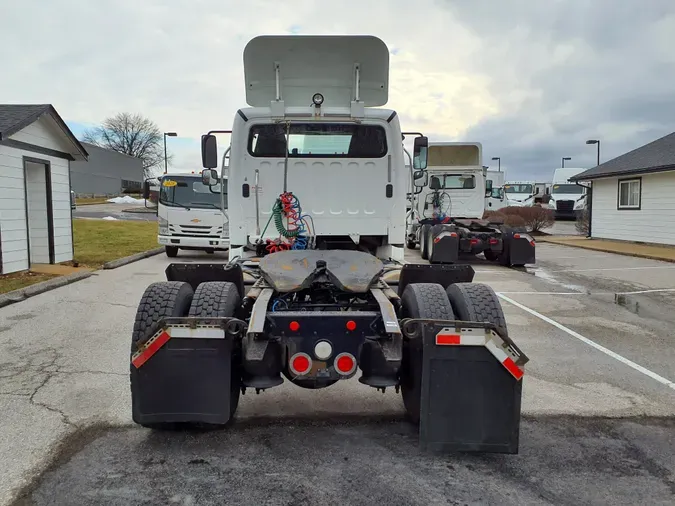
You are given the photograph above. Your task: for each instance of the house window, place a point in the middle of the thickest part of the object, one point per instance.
(630, 191)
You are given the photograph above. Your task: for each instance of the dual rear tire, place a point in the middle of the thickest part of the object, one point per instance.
(177, 299)
(473, 302)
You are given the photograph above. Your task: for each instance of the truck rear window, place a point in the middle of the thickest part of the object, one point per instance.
(318, 140)
(456, 181)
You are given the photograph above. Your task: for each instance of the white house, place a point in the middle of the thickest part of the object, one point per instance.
(632, 195)
(36, 148)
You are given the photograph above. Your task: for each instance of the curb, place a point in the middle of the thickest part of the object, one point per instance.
(23, 293)
(114, 264)
(608, 250)
(140, 210)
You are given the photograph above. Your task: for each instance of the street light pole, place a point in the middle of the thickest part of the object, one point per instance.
(563, 160)
(499, 163)
(589, 197)
(167, 134)
(595, 141)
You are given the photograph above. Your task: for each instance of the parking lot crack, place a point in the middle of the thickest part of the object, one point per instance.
(87, 371)
(35, 402)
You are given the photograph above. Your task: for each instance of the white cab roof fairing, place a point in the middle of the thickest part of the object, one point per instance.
(455, 154)
(310, 64)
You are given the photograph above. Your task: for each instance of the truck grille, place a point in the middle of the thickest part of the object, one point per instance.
(564, 205)
(196, 230)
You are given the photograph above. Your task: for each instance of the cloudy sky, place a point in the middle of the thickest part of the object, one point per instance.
(529, 79)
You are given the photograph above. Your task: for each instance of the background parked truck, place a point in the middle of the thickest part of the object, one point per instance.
(567, 198)
(189, 215)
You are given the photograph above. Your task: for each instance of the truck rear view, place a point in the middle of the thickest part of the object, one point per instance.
(313, 294)
(449, 223)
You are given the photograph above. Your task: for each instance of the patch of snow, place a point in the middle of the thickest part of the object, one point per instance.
(127, 199)
(110, 218)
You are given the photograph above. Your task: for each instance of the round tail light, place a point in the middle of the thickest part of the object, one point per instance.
(345, 364)
(301, 363)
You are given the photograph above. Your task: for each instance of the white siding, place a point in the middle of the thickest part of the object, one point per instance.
(13, 211)
(653, 223)
(45, 133)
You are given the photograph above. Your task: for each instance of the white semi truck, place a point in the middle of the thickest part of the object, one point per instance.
(448, 219)
(567, 198)
(494, 190)
(190, 214)
(314, 291)
(520, 193)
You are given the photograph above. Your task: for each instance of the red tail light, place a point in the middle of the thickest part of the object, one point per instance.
(294, 326)
(474, 242)
(301, 363)
(494, 241)
(516, 236)
(351, 325)
(345, 364)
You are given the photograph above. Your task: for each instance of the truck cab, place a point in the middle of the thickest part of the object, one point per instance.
(322, 149)
(520, 193)
(494, 190)
(189, 214)
(456, 169)
(567, 198)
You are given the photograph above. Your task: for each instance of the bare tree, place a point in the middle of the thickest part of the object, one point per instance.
(134, 135)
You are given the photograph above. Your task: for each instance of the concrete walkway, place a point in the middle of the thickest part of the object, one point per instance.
(665, 253)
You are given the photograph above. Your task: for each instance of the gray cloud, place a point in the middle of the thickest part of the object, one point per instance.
(585, 69)
(529, 79)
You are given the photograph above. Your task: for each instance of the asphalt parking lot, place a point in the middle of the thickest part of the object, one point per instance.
(598, 405)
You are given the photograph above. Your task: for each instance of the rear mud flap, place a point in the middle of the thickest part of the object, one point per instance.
(471, 392)
(520, 251)
(445, 249)
(183, 375)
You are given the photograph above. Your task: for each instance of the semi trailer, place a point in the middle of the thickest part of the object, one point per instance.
(315, 290)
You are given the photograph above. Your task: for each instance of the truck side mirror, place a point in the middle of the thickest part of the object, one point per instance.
(421, 153)
(209, 151)
(209, 177)
(420, 178)
(146, 189)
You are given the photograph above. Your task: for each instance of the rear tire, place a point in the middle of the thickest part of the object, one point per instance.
(220, 299)
(476, 302)
(490, 255)
(419, 300)
(430, 244)
(160, 300)
(424, 247)
(171, 251)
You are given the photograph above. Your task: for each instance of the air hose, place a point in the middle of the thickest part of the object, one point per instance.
(287, 207)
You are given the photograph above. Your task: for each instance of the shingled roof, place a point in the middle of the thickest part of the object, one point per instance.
(16, 117)
(657, 156)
